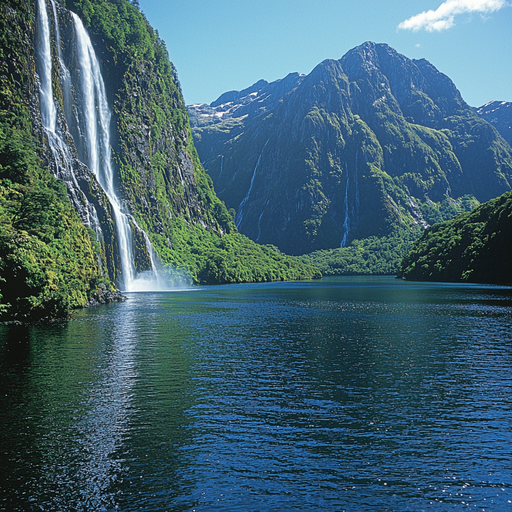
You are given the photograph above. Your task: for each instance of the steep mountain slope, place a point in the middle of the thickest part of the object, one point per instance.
(98, 170)
(362, 146)
(499, 114)
(473, 247)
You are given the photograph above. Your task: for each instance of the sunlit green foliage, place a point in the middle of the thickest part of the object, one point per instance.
(232, 258)
(48, 263)
(373, 255)
(473, 247)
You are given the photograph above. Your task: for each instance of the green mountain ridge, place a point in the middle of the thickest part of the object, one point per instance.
(366, 146)
(50, 261)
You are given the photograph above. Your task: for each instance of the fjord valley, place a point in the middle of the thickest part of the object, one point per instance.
(362, 154)
(101, 186)
(128, 387)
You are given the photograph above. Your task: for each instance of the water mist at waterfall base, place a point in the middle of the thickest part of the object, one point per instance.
(86, 105)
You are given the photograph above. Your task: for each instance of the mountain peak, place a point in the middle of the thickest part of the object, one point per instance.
(359, 145)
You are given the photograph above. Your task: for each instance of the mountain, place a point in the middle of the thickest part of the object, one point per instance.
(362, 146)
(100, 183)
(499, 114)
(473, 247)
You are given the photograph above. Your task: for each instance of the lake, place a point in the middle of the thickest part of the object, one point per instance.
(344, 394)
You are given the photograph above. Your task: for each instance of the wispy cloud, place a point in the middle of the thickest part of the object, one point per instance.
(443, 17)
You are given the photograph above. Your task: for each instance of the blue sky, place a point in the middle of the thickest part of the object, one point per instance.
(222, 45)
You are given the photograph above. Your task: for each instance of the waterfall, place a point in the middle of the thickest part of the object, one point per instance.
(351, 211)
(62, 159)
(346, 223)
(240, 214)
(356, 183)
(97, 151)
(64, 74)
(259, 222)
(221, 165)
(48, 111)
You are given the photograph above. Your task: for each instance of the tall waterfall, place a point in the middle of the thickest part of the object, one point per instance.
(62, 160)
(346, 222)
(96, 132)
(351, 211)
(240, 215)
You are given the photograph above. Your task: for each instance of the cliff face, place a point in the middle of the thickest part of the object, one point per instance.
(359, 147)
(100, 183)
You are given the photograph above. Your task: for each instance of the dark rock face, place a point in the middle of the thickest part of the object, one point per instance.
(356, 148)
(499, 114)
(151, 144)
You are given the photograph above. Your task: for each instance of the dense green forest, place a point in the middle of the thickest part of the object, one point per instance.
(473, 247)
(50, 262)
(383, 255)
(372, 255)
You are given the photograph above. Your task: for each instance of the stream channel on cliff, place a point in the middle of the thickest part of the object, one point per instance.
(350, 393)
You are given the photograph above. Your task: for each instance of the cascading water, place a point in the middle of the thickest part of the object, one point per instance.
(221, 165)
(64, 74)
(259, 221)
(351, 211)
(97, 127)
(96, 132)
(240, 214)
(63, 167)
(346, 223)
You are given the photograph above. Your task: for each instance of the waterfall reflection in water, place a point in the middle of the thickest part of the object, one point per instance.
(351, 394)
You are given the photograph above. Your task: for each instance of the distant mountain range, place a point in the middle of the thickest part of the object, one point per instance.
(362, 146)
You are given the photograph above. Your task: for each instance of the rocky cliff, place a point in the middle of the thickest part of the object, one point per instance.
(361, 146)
(100, 182)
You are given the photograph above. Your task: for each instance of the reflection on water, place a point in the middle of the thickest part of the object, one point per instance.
(345, 394)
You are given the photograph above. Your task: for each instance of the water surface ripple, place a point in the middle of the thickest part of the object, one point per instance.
(351, 394)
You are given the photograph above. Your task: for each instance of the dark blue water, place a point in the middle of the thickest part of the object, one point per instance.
(351, 394)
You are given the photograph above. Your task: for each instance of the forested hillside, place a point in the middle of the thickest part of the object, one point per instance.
(474, 247)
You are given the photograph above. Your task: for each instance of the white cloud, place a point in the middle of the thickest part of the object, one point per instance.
(443, 17)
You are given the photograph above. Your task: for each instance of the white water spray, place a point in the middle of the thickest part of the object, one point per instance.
(96, 121)
(60, 151)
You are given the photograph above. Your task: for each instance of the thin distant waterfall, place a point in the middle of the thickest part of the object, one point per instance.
(240, 214)
(96, 130)
(346, 222)
(221, 165)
